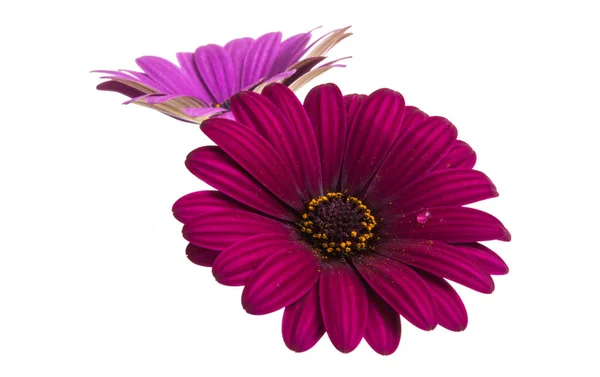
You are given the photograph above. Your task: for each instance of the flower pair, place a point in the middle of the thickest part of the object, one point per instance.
(347, 211)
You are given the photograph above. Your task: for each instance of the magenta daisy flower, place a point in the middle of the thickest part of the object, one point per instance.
(203, 83)
(349, 212)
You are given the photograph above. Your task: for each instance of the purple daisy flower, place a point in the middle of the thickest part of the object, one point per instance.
(203, 83)
(349, 212)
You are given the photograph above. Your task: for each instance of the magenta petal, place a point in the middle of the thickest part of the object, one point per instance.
(400, 286)
(413, 117)
(257, 112)
(217, 169)
(373, 132)
(353, 103)
(448, 224)
(450, 187)
(260, 58)
(460, 156)
(219, 230)
(344, 305)
(201, 256)
(198, 89)
(236, 263)
(439, 259)
(237, 50)
(257, 156)
(302, 324)
(383, 328)
(305, 142)
(487, 259)
(326, 109)
(416, 152)
(202, 111)
(282, 279)
(216, 69)
(200, 203)
(165, 73)
(450, 310)
(119, 87)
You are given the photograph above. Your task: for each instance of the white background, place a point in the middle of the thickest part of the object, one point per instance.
(93, 276)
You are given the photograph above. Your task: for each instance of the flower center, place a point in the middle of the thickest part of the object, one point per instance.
(225, 105)
(337, 224)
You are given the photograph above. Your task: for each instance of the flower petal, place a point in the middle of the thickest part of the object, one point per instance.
(219, 230)
(449, 187)
(257, 156)
(120, 87)
(383, 329)
(413, 117)
(305, 142)
(448, 224)
(217, 169)
(450, 310)
(282, 279)
(201, 111)
(260, 58)
(373, 132)
(302, 324)
(353, 103)
(200, 203)
(460, 156)
(326, 109)
(201, 256)
(344, 305)
(216, 69)
(165, 73)
(290, 52)
(487, 259)
(236, 263)
(237, 50)
(417, 151)
(439, 259)
(197, 86)
(400, 286)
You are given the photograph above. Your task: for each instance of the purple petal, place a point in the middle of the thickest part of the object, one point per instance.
(165, 73)
(260, 58)
(450, 310)
(202, 111)
(373, 132)
(344, 305)
(217, 169)
(201, 256)
(282, 279)
(353, 103)
(302, 68)
(305, 142)
(219, 230)
(400, 286)
(236, 263)
(216, 69)
(257, 156)
(383, 328)
(415, 153)
(197, 86)
(257, 112)
(237, 50)
(302, 324)
(413, 117)
(290, 52)
(200, 203)
(449, 187)
(448, 224)
(120, 87)
(460, 156)
(487, 259)
(326, 109)
(439, 259)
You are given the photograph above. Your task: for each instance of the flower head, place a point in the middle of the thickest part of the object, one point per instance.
(203, 83)
(349, 212)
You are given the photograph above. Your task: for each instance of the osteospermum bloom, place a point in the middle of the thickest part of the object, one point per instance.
(349, 212)
(203, 83)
